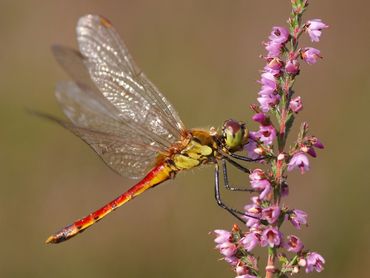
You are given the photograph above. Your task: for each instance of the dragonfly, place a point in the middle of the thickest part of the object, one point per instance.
(112, 106)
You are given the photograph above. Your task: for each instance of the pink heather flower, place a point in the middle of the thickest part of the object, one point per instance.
(266, 134)
(263, 186)
(254, 210)
(296, 104)
(242, 269)
(292, 67)
(299, 160)
(250, 147)
(294, 244)
(232, 260)
(222, 236)
(314, 262)
(273, 49)
(271, 236)
(273, 66)
(297, 218)
(250, 240)
(268, 101)
(268, 80)
(227, 249)
(310, 55)
(268, 96)
(279, 35)
(267, 90)
(257, 175)
(314, 28)
(271, 214)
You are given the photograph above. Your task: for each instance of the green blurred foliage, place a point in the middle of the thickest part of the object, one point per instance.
(204, 57)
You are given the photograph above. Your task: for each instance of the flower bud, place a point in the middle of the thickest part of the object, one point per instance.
(302, 262)
(261, 118)
(281, 156)
(259, 151)
(316, 143)
(311, 151)
(295, 269)
(296, 104)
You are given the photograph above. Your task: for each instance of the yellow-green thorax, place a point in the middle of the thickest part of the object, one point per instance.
(200, 150)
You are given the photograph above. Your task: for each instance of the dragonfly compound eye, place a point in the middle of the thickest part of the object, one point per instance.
(233, 133)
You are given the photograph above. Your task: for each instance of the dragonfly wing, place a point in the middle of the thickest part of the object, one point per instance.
(85, 109)
(118, 78)
(127, 151)
(72, 62)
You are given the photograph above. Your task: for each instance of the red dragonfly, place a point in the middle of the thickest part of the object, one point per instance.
(113, 107)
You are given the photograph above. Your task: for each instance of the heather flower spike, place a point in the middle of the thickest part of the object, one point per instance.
(276, 111)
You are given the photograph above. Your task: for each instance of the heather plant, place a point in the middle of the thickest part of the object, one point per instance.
(275, 113)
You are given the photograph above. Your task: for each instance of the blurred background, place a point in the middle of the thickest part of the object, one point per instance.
(204, 56)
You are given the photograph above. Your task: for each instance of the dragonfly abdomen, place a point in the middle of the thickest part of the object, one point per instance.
(157, 175)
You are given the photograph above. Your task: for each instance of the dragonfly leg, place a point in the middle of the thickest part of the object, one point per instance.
(232, 211)
(245, 158)
(226, 179)
(236, 164)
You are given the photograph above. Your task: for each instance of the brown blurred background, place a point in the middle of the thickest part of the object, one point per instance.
(204, 55)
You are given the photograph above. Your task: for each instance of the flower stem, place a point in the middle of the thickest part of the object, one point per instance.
(281, 136)
(270, 267)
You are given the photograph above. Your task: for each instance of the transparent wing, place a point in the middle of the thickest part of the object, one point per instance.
(120, 81)
(111, 104)
(126, 151)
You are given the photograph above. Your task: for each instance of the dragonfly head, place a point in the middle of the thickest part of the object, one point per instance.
(234, 134)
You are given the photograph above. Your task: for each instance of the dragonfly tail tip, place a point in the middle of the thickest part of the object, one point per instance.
(49, 240)
(52, 239)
